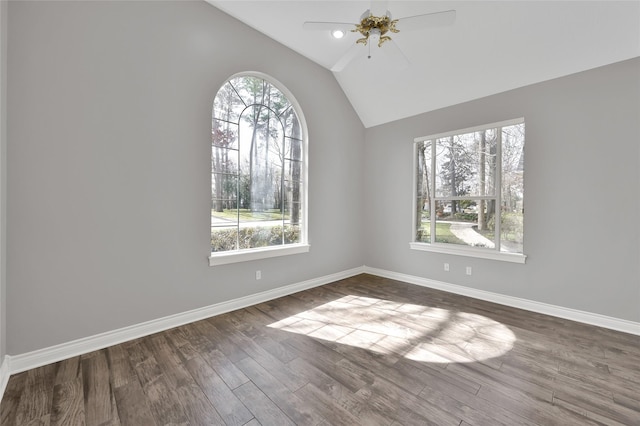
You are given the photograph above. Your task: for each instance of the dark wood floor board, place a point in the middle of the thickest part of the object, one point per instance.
(486, 408)
(163, 402)
(220, 342)
(594, 403)
(562, 383)
(120, 369)
(616, 385)
(180, 342)
(539, 411)
(354, 346)
(67, 370)
(226, 403)
(68, 402)
(267, 360)
(498, 379)
(297, 409)
(368, 360)
(438, 398)
(11, 398)
(360, 351)
(283, 307)
(133, 405)
(312, 349)
(194, 340)
(333, 413)
(36, 399)
(385, 394)
(263, 409)
(226, 369)
(628, 402)
(320, 379)
(167, 360)
(437, 378)
(197, 407)
(588, 417)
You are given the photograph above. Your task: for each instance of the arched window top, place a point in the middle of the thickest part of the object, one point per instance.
(258, 171)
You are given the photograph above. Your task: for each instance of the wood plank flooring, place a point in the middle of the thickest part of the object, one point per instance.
(361, 351)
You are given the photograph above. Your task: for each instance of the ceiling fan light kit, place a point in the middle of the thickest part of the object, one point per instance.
(377, 30)
(378, 25)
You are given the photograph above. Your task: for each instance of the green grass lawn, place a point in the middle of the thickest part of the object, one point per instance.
(443, 234)
(248, 215)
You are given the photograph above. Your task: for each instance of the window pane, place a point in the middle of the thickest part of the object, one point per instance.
(466, 164)
(227, 105)
(224, 238)
(224, 134)
(223, 194)
(257, 166)
(293, 210)
(292, 234)
(466, 222)
(423, 228)
(511, 232)
(260, 236)
(293, 149)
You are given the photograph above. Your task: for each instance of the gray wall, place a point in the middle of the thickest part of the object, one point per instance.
(108, 174)
(109, 109)
(3, 178)
(581, 193)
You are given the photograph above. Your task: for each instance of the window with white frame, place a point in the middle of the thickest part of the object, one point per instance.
(258, 171)
(469, 192)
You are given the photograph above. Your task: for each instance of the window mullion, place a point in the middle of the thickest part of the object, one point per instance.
(498, 189)
(432, 201)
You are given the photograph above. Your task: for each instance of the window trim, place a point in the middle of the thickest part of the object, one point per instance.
(453, 249)
(245, 255)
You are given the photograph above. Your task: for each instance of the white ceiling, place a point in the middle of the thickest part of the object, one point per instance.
(492, 47)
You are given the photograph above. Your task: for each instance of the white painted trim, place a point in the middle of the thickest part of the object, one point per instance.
(469, 252)
(18, 363)
(515, 302)
(473, 129)
(223, 258)
(5, 373)
(62, 351)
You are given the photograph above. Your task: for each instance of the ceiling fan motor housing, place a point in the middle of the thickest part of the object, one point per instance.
(376, 25)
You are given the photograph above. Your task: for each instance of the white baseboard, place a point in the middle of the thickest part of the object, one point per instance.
(515, 302)
(18, 363)
(85, 345)
(5, 373)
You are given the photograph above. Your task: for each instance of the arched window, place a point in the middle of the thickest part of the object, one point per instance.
(258, 171)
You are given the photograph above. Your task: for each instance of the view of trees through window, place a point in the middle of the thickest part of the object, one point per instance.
(257, 167)
(470, 188)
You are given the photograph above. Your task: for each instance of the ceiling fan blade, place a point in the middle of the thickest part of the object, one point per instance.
(328, 26)
(395, 55)
(379, 8)
(429, 20)
(346, 59)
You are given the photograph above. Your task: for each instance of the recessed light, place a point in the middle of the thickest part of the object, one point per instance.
(337, 33)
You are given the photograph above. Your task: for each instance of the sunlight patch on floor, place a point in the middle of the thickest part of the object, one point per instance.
(416, 332)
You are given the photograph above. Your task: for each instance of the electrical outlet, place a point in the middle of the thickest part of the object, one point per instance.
(468, 270)
(446, 267)
(258, 275)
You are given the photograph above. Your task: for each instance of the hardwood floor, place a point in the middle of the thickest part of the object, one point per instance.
(365, 350)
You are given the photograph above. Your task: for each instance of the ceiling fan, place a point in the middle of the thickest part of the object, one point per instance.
(376, 26)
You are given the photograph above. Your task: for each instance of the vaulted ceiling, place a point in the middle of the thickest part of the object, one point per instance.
(491, 47)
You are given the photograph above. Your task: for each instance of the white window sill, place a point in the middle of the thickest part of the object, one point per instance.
(470, 252)
(224, 258)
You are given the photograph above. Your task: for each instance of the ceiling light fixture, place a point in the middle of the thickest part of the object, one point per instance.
(337, 34)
